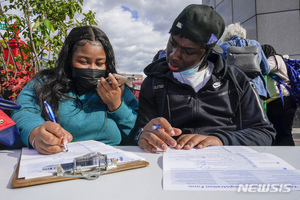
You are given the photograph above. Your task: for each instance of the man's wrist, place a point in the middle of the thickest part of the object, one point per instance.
(137, 137)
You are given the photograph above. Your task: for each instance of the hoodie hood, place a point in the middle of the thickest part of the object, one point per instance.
(159, 68)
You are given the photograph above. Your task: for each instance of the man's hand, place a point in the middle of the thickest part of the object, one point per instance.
(151, 138)
(189, 141)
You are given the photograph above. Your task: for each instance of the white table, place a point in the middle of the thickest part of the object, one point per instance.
(143, 183)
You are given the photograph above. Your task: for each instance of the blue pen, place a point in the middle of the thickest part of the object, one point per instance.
(49, 111)
(155, 127)
(52, 117)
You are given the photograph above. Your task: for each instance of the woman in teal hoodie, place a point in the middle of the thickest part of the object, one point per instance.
(85, 104)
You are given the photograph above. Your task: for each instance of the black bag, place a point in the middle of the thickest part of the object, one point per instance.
(245, 58)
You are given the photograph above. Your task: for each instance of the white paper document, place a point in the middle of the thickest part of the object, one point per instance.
(226, 168)
(32, 162)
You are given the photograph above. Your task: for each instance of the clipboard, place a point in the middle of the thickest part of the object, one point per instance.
(22, 182)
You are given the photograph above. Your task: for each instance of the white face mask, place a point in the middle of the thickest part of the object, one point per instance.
(193, 70)
(196, 80)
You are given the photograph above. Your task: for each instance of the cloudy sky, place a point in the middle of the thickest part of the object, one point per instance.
(137, 29)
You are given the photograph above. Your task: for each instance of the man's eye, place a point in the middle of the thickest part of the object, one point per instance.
(173, 43)
(188, 53)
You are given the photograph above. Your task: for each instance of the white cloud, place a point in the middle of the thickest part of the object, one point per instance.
(136, 40)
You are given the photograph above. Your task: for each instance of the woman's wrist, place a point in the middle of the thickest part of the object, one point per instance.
(114, 107)
(32, 137)
(32, 143)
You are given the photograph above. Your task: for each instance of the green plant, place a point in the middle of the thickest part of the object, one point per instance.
(44, 25)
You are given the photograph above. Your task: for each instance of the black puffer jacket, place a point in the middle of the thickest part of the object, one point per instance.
(226, 107)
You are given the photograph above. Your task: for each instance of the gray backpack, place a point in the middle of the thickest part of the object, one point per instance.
(245, 58)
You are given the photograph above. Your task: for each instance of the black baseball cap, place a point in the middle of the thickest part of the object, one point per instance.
(201, 24)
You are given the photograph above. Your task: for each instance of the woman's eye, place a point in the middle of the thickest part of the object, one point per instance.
(82, 61)
(100, 64)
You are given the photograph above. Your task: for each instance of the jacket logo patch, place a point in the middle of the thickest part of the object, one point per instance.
(217, 84)
(158, 87)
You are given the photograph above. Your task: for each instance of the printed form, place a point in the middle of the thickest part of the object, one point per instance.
(225, 168)
(32, 162)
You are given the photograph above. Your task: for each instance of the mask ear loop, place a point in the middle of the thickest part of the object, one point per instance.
(197, 67)
(204, 59)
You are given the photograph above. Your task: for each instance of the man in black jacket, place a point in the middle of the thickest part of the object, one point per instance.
(192, 98)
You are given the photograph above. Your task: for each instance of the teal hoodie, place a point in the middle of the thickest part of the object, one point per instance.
(93, 122)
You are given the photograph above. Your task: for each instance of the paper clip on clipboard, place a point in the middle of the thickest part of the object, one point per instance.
(89, 166)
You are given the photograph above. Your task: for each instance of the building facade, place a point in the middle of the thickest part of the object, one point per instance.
(273, 22)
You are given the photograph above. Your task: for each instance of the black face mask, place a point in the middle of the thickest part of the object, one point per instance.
(87, 79)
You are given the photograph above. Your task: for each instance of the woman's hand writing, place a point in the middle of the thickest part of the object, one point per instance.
(49, 138)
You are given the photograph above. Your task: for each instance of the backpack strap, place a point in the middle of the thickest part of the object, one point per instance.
(279, 81)
(247, 42)
(8, 105)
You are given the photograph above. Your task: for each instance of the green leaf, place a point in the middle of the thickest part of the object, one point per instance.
(49, 25)
(52, 29)
(46, 34)
(37, 24)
